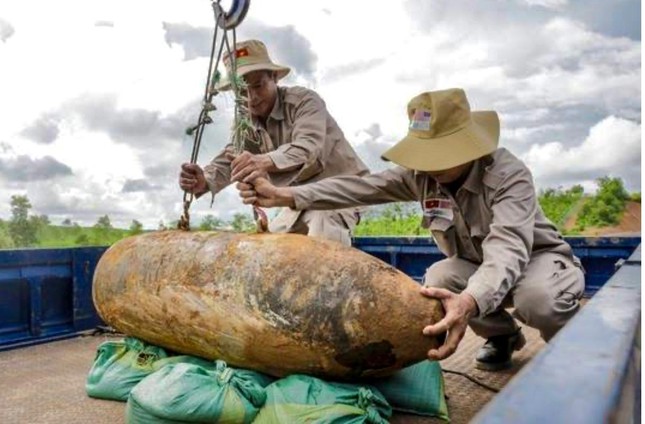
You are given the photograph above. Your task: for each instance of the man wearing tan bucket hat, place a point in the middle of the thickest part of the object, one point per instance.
(299, 142)
(480, 204)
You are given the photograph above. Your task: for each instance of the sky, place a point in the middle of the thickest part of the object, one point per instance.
(95, 96)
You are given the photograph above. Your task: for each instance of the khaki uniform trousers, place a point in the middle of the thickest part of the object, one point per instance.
(336, 225)
(545, 297)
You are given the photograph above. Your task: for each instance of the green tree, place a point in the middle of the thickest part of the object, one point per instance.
(242, 223)
(557, 204)
(577, 189)
(209, 222)
(40, 223)
(101, 231)
(103, 223)
(607, 206)
(21, 229)
(42, 220)
(6, 242)
(135, 228)
(66, 222)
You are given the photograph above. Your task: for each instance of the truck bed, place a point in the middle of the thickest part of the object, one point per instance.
(594, 362)
(46, 383)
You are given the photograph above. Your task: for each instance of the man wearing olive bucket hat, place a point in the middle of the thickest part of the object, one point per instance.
(480, 204)
(299, 142)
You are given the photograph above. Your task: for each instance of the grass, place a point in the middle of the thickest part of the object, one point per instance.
(69, 236)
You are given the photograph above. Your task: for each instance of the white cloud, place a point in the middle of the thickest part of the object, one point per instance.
(526, 135)
(613, 147)
(549, 4)
(6, 30)
(102, 92)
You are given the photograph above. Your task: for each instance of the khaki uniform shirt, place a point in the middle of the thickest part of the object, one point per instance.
(493, 220)
(303, 140)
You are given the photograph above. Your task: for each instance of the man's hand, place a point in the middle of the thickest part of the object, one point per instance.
(459, 309)
(247, 166)
(263, 193)
(191, 179)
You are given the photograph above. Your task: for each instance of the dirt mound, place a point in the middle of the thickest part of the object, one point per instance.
(572, 215)
(630, 224)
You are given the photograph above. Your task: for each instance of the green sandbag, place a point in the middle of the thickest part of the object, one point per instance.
(121, 364)
(305, 399)
(187, 393)
(418, 389)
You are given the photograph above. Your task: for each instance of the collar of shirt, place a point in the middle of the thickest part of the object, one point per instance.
(277, 112)
(473, 182)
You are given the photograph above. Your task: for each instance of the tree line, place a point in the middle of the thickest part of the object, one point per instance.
(24, 229)
(604, 208)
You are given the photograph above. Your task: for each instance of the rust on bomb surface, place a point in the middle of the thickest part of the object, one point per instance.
(373, 356)
(277, 303)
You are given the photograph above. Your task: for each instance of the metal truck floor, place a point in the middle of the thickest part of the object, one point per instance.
(46, 383)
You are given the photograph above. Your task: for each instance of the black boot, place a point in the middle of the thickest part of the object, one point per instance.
(496, 353)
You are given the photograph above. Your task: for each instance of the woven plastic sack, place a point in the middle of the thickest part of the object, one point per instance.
(305, 399)
(121, 364)
(418, 389)
(187, 393)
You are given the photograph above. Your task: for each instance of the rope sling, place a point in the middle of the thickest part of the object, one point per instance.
(244, 132)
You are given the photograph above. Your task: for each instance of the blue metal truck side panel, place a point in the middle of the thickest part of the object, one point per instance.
(413, 255)
(46, 294)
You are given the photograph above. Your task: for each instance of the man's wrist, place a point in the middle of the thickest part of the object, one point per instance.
(268, 163)
(472, 309)
(284, 195)
(202, 190)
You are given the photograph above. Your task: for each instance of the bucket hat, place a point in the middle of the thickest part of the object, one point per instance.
(251, 55)
(444, 132)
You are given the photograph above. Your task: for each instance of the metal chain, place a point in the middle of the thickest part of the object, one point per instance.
(244, 130)
(204, 119)
(243, 125)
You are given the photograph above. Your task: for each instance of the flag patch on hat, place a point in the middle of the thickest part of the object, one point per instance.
(243, 52)
(420, 120)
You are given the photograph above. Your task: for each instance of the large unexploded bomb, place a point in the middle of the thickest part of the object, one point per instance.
(276, 303)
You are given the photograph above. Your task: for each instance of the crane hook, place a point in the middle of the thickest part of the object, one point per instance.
(235, 14)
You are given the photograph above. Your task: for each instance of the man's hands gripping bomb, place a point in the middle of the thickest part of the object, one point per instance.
(264, 194)
(251, 170)
(459, 309)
